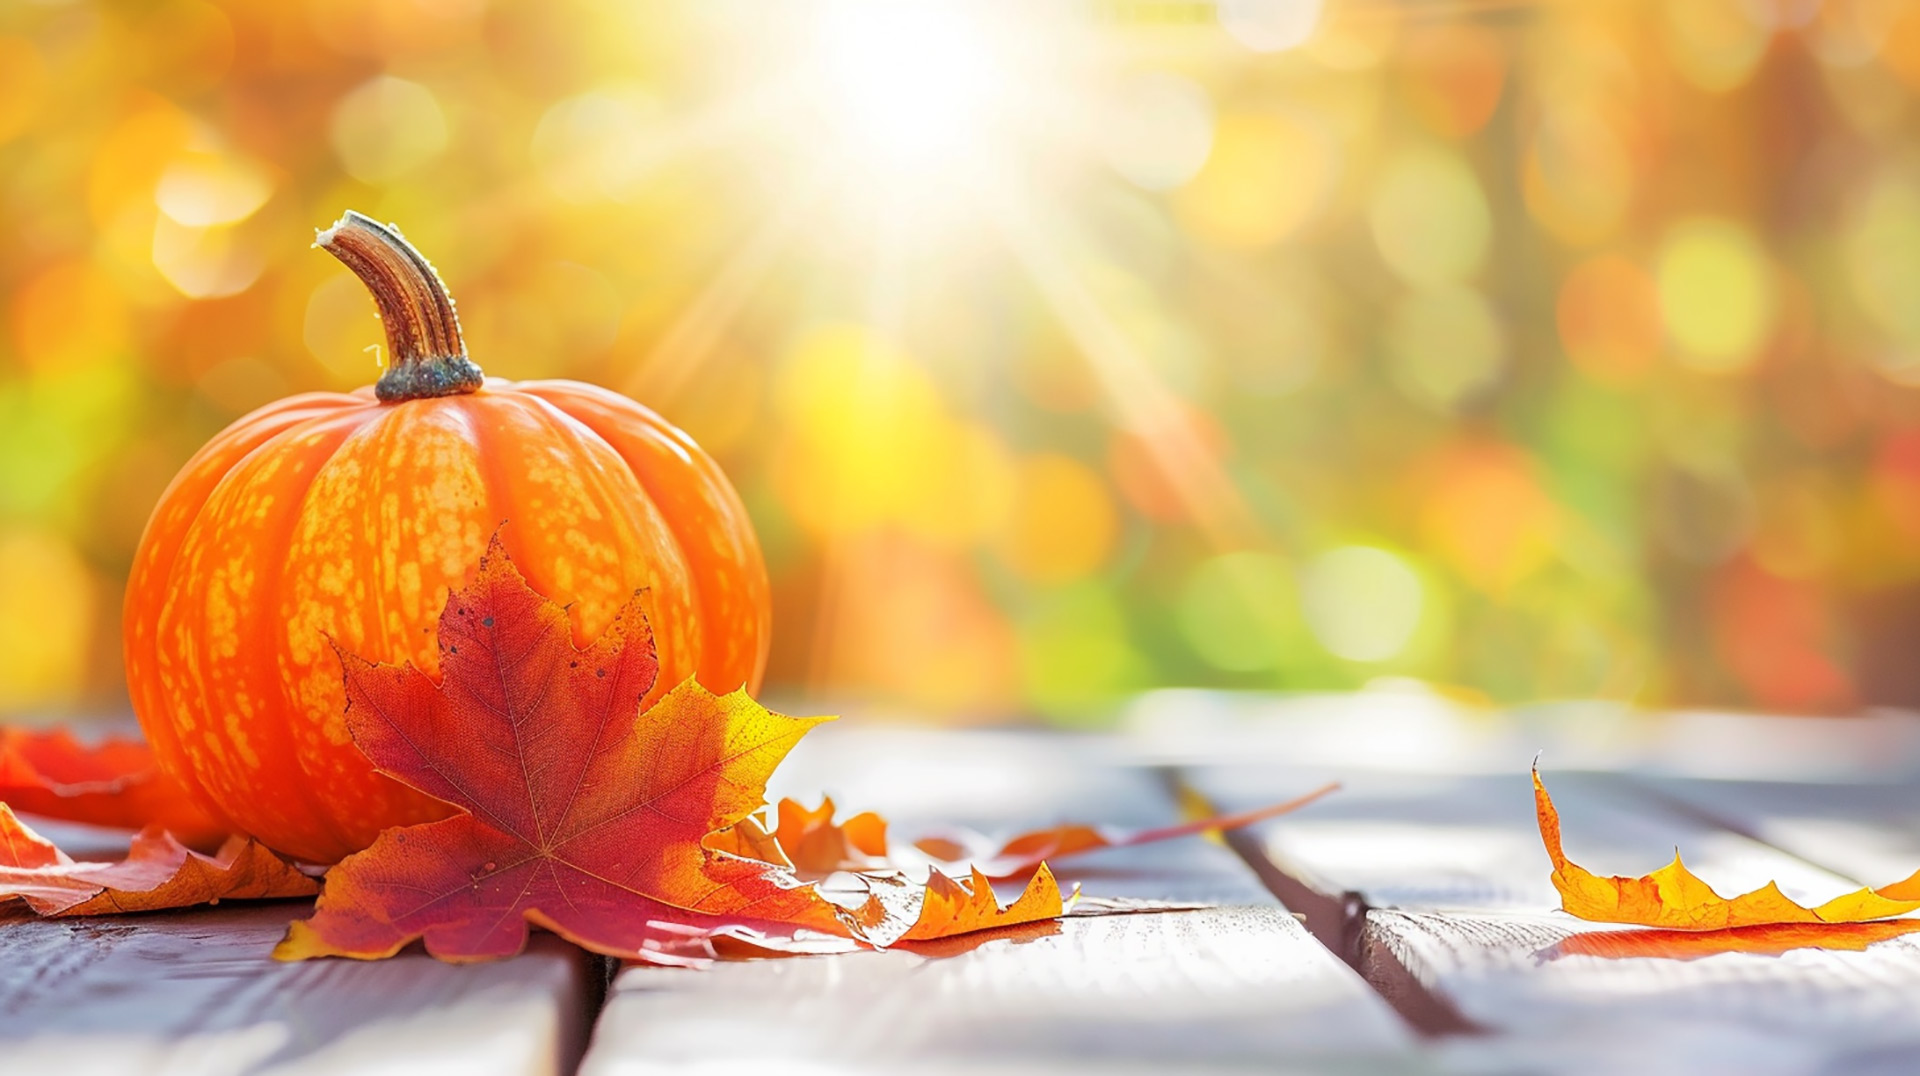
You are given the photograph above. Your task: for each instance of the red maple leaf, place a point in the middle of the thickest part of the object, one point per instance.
(575, 815)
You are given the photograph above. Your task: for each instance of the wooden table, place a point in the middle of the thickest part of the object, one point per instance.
(1404, 925)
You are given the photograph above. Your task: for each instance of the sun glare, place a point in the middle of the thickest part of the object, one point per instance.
(909, 86)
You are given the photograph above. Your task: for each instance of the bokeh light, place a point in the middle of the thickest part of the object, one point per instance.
(1160, 130)
(1446, 345)
(1363, 603)
(1270, 25)
(1235, 608)
(1714, 294)
(46, 618)
(1430, 218)
(1608, 314)
(1267, 175)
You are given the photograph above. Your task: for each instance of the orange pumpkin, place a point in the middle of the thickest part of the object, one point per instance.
(344, 519)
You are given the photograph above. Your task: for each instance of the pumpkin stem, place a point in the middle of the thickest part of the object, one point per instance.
(425, 354)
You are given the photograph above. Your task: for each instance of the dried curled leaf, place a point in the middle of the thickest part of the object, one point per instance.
(115, 782)
(1023, 853)
(158, 873)
(578, 812)
(1673, 898)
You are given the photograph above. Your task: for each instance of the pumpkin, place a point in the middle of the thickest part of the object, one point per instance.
(340, 520)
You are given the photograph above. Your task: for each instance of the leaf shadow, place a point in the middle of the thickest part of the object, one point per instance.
(1772, 939)
(962, 944)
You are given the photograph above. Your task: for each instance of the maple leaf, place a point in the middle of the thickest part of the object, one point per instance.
(575, 814)
(899, 912)
(115, 782)
(808, 840)
(896, 912)
(159, 872)
(952, 907)
(1673, 898)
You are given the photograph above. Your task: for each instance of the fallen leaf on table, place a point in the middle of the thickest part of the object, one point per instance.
(575, 814)
(897, 910)
(1673, 898)
(115, 783)
(1023, 853)
(158, 873)
(953, 907)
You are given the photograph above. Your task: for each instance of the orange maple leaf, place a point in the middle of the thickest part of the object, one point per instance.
(808, 840)
(115, 782)
(159, 872)
(953, 907)
(575, 815)
(1673, 898)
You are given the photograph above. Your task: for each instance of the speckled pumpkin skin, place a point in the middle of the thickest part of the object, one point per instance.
(331, 516)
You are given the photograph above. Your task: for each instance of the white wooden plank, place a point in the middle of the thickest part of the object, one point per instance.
(1002, 782)
(1144, 992)
(196, 994)
(1797, 1011)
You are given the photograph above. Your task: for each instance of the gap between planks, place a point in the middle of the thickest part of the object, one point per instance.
(1338, 922)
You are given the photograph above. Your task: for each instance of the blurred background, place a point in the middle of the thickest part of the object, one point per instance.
(1060, 349)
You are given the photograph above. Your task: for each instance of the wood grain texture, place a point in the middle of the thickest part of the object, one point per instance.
(1551, 1010)
(1001, 783)
(195, 993)
(1144, 992)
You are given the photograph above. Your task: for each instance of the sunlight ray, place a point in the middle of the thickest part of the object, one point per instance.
(840, 572)
(1140, 402)
(670, 366)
